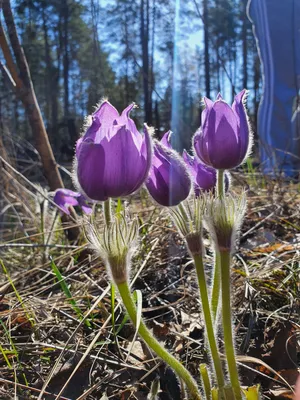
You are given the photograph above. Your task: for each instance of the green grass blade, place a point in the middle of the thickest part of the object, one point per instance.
(66, 290)
(28, 315)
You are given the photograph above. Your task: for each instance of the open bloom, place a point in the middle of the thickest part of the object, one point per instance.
(169, 182)
(112, 158)
(224, 139)
(65, 198)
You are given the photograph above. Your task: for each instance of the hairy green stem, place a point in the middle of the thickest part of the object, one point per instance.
(220, 183)
(227, 324)
(205, 380)
(215, 293)
(155, 345)
(107, 211)
(208, 321)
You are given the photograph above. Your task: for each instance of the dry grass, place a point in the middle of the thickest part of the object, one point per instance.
(66, 345)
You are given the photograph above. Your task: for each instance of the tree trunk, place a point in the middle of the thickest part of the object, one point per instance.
(151, 83)
(144, 14)
(245, 45)
(65, 14)
(206, 48)
(24, 88)
(256, 86)
(48, 75)
(157, 119)
(26, 93)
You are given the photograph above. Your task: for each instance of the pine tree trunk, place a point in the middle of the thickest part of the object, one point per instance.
(144, 14)
(206, 48)
(24, 89)
(245, 45)
(26, 93)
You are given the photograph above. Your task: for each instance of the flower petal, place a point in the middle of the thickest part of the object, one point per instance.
(200, 142)
(124, 119)
(65, 198)
(221, 138)
(86, 208)
(166, 139)
(189, 160)
(208, 105)
(126, 173)
(169, 182)
(239, 108)
(90, 170)
(103, 119)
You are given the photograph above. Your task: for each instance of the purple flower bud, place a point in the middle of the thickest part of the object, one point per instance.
(204, 177)
(169, 182)
(112, 158)
(65, 198)
(224, 139)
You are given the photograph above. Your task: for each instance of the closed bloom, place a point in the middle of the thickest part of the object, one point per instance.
(204, 177)
(112, 158)
(169, 182)
(65, 198)
(224, 139)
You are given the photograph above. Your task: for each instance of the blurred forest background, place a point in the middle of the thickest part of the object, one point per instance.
(162, 54)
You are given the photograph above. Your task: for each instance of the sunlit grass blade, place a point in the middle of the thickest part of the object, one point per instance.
(14, 350)
(66, 290)
(28, 315)
(5, 357)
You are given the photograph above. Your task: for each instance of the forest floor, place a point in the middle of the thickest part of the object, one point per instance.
(60, 339)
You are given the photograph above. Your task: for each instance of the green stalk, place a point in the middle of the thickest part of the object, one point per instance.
(205, 380)
(154, 344)
(215, 293)
(227, 325)
(208, 321)
(107, 211)
(220, 183)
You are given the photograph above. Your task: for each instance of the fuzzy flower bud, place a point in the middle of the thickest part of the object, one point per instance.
(169, 182)
(204, 178)
(224, 218)
(116, 246)
(188, 218)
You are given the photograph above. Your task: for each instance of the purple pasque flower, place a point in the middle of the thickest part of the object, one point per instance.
(169, 182)
(224, 139)
(112, 158)
(65, 198)
(204, 177)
